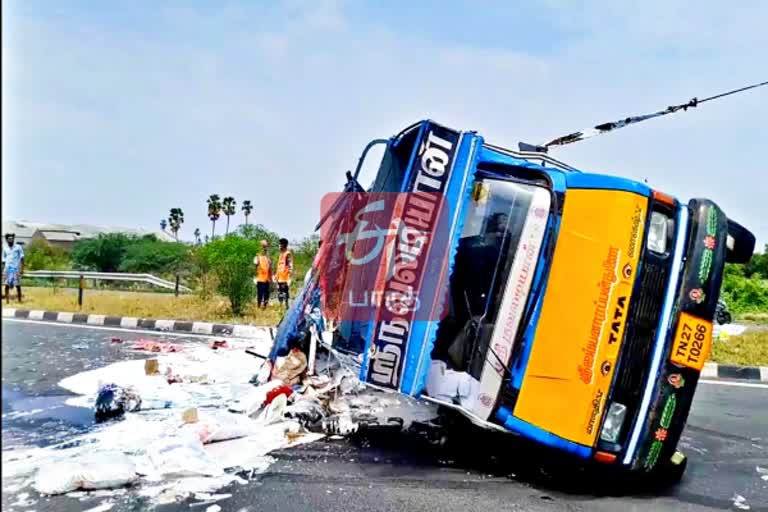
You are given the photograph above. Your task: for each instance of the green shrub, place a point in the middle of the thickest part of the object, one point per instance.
(258, 232)
(743, 294)
(758, 265)
(153, 256)
(103, 254)
(40, 255)
(230, 259)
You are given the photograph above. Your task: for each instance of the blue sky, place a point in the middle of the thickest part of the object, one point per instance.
(114, 112)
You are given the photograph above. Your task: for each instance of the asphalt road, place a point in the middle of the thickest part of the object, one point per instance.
(726, 440)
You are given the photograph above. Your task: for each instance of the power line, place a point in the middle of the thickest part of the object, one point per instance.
(614, 125)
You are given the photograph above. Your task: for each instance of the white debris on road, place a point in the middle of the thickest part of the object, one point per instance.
(200, 423)
(107, 505)
(740, 502)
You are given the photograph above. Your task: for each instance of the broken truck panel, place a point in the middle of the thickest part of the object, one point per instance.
(572, 308)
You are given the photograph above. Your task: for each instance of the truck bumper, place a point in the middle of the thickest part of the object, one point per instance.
(694, 288)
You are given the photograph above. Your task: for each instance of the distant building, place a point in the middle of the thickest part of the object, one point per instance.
(57, 237)
(65, 236)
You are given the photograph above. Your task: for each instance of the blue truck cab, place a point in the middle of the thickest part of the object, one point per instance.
(571, 308)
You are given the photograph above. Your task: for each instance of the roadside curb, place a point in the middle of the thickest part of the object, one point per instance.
(710, 370)
(150, 324)
(727, 371)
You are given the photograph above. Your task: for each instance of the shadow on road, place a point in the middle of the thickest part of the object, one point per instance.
(504, 456)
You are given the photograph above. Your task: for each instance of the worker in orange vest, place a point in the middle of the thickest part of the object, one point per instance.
(284, 272)
(263, 279)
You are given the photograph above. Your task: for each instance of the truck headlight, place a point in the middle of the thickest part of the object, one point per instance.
(614, 420)
(657, 232)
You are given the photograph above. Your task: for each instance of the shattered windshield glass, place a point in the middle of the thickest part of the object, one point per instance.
(489, 241)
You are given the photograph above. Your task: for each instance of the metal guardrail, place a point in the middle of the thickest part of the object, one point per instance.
(109, 276)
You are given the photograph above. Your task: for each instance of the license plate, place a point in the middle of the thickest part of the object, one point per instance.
(693, 341)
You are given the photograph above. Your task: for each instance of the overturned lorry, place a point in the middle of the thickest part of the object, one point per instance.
(570, 308)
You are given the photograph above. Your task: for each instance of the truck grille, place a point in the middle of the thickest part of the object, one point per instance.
(642, 324)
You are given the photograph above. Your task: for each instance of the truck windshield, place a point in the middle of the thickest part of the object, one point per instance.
(491, 237)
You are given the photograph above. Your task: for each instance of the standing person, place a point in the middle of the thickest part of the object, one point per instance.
(263, 266)
(284, 272)
(13, 266)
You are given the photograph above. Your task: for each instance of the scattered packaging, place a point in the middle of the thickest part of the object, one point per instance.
(217, 426)
(112, 401)
(289, 368)
(151, 367)
(106, 470)
(154, 346)
(190, 416)
(273, 393)
(182, 456)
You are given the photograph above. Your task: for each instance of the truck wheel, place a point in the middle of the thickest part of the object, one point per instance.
(741, 243)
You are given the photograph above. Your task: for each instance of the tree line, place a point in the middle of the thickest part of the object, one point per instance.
(216, 207)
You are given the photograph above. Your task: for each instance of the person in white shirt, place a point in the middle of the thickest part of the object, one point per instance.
(13, 266)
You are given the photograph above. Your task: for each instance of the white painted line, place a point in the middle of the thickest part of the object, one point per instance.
(709, 371)
(202, 328)
(736, 384)
(129, 322)
(764, 373)
(9, 312)
(65, 317)
(95, 320)
(250, 331)
(36, 315)
(164, 325)
(114, 329)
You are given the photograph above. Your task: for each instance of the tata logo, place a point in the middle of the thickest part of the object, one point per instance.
(619, 316)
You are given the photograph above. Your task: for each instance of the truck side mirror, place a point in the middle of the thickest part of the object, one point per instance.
(740, 243)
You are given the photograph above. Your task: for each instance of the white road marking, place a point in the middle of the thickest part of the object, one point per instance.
(95, 319)
(733, 383)
(119, 329)
(710, 370)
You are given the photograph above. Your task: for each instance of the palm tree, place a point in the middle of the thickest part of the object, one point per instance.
(175, 220)
(163, 224)
(214, 212)
(247, 209)
(197, 236)
(229, 209)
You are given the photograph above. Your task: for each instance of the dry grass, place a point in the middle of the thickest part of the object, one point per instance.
(144, 305)
(754, 317)
(749, 349)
